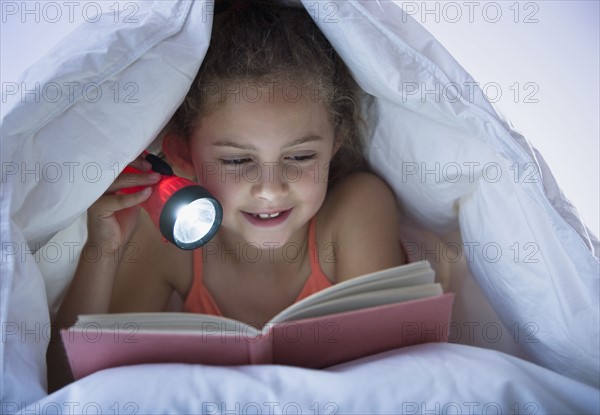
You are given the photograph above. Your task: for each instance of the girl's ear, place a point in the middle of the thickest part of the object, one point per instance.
(177, 150)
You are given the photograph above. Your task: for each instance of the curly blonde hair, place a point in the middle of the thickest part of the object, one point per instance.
(264, 43)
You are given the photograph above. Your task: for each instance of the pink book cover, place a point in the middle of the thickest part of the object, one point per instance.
(328, 340)
(314, 342)
(92, 348)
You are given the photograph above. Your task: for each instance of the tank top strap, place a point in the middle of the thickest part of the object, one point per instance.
(313, 246)
(199, 299)
(317, 279)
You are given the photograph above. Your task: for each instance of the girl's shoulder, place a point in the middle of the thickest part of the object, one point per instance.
(356, 186)
(360, 218)
(357, 197)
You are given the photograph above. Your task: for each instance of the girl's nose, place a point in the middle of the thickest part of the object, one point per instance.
(271, 184)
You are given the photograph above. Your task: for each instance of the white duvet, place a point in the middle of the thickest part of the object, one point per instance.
(431, 378)
(543, 307)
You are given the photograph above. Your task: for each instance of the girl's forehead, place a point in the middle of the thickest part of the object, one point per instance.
(272, 117)
(276, 90)
(240, 96)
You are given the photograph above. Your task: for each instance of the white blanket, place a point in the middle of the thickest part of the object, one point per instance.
(547, 300)
(431, 378)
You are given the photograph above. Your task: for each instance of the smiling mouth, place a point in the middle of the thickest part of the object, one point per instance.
(268, 219)
(266, 215)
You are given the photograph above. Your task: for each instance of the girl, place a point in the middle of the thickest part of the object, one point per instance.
(270, 128)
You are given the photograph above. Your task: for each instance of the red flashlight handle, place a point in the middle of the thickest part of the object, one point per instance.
(133, 189)
(168, 196)
(162, 191)
(158, 166)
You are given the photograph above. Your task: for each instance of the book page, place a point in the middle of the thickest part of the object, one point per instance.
(413, 274)
(352, 291)
(364, 300)
(165, 322)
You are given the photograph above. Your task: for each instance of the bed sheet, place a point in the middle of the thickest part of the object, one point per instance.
(430, 378)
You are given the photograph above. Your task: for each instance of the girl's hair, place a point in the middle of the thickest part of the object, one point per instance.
(262, 44)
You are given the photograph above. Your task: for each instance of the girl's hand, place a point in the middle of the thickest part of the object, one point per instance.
(113, 217)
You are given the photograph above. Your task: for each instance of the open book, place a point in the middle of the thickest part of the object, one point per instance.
(373, 313)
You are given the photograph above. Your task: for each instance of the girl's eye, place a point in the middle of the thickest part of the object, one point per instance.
(235, 162)
(302, 158)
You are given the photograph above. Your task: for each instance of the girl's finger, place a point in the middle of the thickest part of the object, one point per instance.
(109, 204)
(126, 180)
(141, 163)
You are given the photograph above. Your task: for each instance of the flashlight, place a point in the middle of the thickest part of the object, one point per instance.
(186, 214)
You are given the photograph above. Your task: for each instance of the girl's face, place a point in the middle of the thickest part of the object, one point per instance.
(266, 161)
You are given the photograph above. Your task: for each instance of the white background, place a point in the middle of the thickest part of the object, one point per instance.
(551, 49)
(542, 56)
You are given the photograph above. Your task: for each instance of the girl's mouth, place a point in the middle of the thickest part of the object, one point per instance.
(267, 219)
(266, 215)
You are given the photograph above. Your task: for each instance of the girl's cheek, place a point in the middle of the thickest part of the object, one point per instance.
(312, 182)
(202, 172)
(316, 174)
(293, 173)
(223, 182)
(208, 173)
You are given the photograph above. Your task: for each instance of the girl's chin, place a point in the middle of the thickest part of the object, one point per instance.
(262, 238)
(265, 242)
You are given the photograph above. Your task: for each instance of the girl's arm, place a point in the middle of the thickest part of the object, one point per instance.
(111, 222)
(149, 271)
(365, 226)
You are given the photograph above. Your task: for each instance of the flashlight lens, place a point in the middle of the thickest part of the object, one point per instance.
(194, 221)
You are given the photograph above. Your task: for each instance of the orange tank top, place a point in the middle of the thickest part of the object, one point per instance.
(199, 299)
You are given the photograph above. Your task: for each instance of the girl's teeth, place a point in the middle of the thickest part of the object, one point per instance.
(267, 215)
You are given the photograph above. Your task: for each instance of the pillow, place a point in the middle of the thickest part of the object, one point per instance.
(434, 377)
